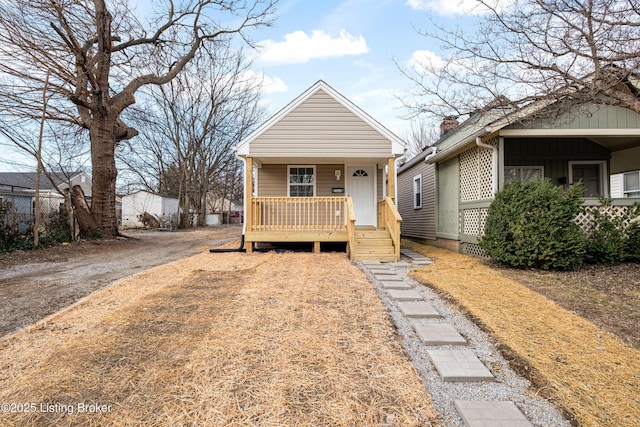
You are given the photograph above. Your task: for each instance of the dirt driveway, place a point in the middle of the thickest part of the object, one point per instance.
(34, 284)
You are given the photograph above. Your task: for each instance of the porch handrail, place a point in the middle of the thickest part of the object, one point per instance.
(390, 219)
(351, 226)
(298, 213)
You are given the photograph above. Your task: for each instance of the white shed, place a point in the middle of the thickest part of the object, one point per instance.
(162, 207)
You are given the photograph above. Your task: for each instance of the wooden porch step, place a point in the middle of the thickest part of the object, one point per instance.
(374, 250)
(372, 234)
(372, 244)
(374, 257)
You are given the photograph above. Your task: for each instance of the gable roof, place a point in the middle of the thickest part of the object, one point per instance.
(504, 122)
(396, 146)
(27, 180)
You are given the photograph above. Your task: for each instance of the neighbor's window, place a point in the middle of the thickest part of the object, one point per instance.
(523, 173)
(632, 184)
(301, 181)
(417, 191)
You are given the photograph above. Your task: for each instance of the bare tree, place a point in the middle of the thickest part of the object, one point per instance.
(530, 50)
(189, 126)
(100, 54)
(420, 136)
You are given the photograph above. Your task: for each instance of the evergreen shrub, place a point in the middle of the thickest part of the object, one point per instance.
(531, 225)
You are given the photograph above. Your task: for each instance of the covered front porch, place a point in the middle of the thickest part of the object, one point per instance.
(324, 219)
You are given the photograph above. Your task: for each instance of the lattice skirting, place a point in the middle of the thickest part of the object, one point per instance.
(472, 249)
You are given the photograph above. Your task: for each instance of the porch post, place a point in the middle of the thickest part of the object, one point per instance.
(248, 196)
(391, 178)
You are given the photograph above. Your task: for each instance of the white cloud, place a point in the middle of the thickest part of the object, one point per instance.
(274, 85)
(298, 47)
(268, 84)
(457, 7)
(425, 60)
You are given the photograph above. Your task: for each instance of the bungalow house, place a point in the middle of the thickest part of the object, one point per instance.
(445, 192)
(322, 170)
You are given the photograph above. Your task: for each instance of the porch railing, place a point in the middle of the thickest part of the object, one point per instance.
(351, 227)
(389, 218)
(298, 213)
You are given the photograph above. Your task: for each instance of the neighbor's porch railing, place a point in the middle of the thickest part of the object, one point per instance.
(389, 218)
(298, 213)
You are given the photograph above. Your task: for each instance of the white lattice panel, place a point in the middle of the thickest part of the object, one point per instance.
(470, 222)
(469, 175)
(585, 219)
(485, 171)
(482, 220)
(476, 173)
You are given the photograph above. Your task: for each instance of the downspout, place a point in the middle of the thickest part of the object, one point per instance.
(494, 174)
(434, 151)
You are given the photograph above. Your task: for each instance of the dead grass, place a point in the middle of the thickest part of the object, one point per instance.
(221, 340)
(582, 368)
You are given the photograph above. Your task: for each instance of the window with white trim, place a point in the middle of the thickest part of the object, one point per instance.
(523, 173)
(302, 181)
(632, 184)
(417, 191)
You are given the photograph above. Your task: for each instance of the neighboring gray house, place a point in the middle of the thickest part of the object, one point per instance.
(19, 189)
(597, 144)
(322, 170)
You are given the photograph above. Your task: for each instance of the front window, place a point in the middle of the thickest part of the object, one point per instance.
(523, 173)
(632, 184)
(417, 192)
(302, 181)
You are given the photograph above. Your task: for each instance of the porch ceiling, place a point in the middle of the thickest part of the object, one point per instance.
(617, 143)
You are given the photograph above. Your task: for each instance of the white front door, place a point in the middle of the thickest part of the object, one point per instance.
(361, 188)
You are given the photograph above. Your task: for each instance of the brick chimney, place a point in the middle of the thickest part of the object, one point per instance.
(448, 124)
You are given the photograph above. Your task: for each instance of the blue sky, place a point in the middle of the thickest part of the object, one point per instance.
(353, 45)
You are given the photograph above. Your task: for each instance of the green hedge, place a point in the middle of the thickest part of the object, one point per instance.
(531, 225)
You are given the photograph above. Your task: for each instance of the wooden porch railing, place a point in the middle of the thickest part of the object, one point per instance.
(351, 227)
(298, 213)
(389, 218)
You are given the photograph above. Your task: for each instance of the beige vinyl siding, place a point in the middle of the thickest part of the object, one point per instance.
(273, 179)
(326, 180)
(321, 127)
(418, 223)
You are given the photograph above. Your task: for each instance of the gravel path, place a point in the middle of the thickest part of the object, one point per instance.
(508, 386)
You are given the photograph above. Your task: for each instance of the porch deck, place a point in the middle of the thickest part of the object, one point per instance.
(323, 219)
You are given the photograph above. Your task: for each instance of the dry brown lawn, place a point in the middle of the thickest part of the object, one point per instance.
(582, 368)
(219, 340)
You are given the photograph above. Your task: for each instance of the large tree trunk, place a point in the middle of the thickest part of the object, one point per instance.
(103, 197)
(86, 222)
